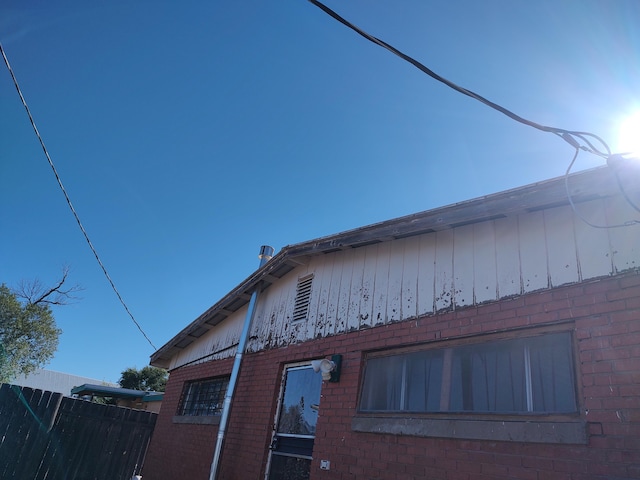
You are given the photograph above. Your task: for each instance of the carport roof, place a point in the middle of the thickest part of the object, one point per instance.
(115, 392)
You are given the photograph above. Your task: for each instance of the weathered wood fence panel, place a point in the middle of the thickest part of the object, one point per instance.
(44, 435)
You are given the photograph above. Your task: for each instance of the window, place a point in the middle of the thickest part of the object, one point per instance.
(303, 293)
(203, 397)
(532, 375)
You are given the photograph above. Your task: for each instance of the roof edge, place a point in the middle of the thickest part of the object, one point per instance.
(583, 186)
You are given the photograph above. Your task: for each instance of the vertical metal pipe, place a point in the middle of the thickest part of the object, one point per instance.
(266, 252)
(527, 377)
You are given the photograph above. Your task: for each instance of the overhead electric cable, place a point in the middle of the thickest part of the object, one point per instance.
(562, 133)
(568, 136)
(66, 196)
(628, 223)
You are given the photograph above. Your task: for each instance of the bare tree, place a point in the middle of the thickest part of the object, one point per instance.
(34, 292)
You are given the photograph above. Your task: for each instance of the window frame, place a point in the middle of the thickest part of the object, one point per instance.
(535, 426)
(188, 411)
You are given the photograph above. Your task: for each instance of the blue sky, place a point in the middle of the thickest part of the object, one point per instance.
(188, 134)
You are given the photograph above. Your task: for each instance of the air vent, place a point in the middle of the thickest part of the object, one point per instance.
(303, 293)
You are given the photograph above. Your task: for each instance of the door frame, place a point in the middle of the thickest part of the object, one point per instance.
(279, 401)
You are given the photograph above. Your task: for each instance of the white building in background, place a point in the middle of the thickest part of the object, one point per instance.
(56, 381)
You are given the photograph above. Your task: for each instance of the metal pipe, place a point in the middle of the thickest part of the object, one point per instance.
(266, 252)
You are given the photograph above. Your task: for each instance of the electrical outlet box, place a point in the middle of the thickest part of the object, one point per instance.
(325, 465)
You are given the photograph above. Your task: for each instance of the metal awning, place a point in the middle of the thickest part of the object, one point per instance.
(115, 392)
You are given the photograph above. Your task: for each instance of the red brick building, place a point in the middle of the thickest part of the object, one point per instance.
(497, 338)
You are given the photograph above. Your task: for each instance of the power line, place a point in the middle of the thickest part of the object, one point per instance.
(66, 196)
(628, 223)
(566, 135)
(569, 136)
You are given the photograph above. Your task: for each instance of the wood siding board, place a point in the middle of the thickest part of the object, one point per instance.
(317, 312)
(463, 266)
(396, 273)
(342, 313)
(255, 341)
(561, 246)
(200, 350)
(381, 285)
(426, 274)
(368, 284)
(217, 338)
(593, 245)
(410, 278)
(228, 333)
(182, 357)
(485, 275)
(355, 292)
(260, 329)
(444, 270)
(205, 346)
(625, 241)
(533, 252)
(296, 332)
(333, 294)
(508, 257)
(328, 265)
(279, 322)
(281, 316)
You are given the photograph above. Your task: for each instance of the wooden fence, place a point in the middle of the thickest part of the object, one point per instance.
(44, 435)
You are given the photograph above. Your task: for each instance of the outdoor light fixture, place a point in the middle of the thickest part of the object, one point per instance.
(330, 369)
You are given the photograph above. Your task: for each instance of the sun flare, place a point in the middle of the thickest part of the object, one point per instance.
(629, 135)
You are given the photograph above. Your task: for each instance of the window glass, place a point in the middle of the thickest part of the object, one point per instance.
(424, 380)
(299, 411)
(203, 397)
(552, 375)
(504, 376)
(488, 378)
(381, 389)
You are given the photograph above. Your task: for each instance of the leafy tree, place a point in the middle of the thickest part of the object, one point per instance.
(148, 379)
(28, 335)
(28, 331)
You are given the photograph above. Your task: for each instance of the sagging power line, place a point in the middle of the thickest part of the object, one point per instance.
(66, 196)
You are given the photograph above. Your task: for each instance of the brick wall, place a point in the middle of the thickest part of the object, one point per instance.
(604, 315)
(182, 451)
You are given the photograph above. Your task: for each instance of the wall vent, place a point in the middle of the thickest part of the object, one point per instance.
(303, 293)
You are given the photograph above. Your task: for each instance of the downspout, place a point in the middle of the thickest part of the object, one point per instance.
(266, 252)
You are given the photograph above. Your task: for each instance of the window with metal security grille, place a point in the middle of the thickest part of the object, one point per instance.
(303, 293)
(203, 397)
(533, 375)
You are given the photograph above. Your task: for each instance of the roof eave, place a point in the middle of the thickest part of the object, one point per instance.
(583, 186)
